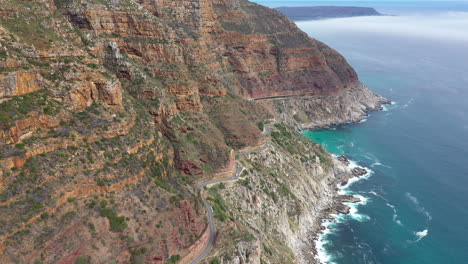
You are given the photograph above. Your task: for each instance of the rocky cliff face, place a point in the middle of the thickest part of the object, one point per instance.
(311, 112)
(112, 111)
(277, 203)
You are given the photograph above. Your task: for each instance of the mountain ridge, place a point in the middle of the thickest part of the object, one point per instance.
(115, 111)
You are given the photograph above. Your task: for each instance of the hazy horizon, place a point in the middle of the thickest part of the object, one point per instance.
(417, 148)
(393, 7)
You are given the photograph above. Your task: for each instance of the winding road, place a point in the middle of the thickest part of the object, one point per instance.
(209, 209)
(209, 212)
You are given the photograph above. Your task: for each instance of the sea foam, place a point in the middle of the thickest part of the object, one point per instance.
(320, 243)
(421, 234)
(418, 206)
(322, 255)
(387, 202)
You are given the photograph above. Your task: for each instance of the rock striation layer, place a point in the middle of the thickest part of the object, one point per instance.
(111, 112)
(349, 106)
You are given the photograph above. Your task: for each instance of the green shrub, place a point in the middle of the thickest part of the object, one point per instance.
(117, 223)
(44, 215)
(261, 126)
(173, 259)
(83, 260)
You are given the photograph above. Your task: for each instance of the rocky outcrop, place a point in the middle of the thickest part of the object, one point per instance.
(349, 106)
(19, 83)
(280, 199)
(358, 171)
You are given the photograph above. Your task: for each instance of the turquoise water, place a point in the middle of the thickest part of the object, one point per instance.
(417, 195)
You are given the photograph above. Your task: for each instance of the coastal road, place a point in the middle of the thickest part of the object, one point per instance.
(233, 178)
(254, 151)
(209, 209)
(210, 216)
(279, 97)
(211, 239)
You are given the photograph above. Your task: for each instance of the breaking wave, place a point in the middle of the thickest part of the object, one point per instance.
(418, 206)
(421, 234)
(320, 243)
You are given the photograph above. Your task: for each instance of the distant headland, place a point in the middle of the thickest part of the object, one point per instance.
(323, 12)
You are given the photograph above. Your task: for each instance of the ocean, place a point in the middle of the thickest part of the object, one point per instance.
(415, 198)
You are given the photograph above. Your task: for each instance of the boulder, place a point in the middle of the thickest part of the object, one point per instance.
(358, 171)
(344, 160)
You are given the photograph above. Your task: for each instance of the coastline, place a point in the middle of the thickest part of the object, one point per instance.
(344, 203)
(352, 105)
(344, 206)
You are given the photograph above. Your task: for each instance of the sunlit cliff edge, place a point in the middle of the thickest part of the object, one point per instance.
(111, 112)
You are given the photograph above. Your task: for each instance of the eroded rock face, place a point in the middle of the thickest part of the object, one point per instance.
(349, 106)
(113, 114)
(279, 199)
(19, 83)
(232, 45)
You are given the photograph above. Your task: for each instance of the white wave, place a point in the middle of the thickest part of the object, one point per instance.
(322, 256)
(354, 213)
(395, 214)
(363, 120)
(389, 107)
(373, 165)
(408, 103)
(344, 190)
(412, 198)
(363, 200)
(418, 206)
(421, 234)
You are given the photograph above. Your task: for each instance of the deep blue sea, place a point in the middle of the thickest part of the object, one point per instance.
(416, 197)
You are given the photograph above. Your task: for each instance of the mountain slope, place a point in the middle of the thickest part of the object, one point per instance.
(113, 111)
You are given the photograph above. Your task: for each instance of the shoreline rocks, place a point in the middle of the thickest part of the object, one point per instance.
(350, 105)
(344, 160)
(339, 205)
(358, 171)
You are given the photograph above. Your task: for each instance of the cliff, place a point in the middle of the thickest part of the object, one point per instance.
(111, 112)
(322, 12)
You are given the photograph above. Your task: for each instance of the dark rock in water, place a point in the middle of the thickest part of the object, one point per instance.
(344, 160)
(349, 199)
(342, 209)
(358, 171)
